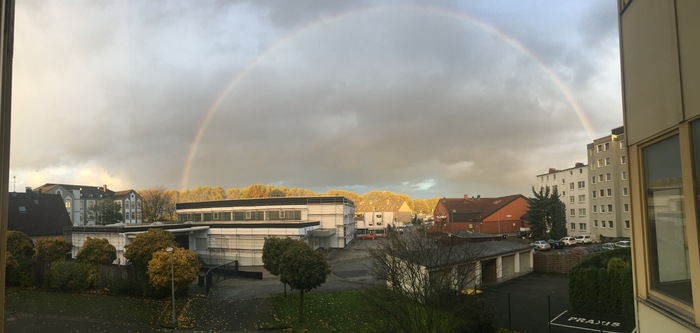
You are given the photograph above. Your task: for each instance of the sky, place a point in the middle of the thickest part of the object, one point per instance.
(425, 98)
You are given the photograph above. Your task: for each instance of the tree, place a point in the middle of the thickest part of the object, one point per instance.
(97, 251)
(184, 270)
(303, 269)
(105, 212)
(158, 204)
(20, 251)
(546, 214)
(48, 250)
(425, 279)
(272, 254)
(140, 251)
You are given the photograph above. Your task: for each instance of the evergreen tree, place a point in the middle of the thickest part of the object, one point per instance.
(547, 214)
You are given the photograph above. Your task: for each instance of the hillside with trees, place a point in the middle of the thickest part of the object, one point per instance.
(159, 202)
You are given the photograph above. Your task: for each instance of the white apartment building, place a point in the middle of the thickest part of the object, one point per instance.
(609, 187)
(79, 198)
(571, 185)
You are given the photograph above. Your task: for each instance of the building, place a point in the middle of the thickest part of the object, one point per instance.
(37, 214)
(486, 215)
(609, 187)
(374, 216)
(660, 58)
(571, 184)
(79, 198)
(485, 263)
(227, 230)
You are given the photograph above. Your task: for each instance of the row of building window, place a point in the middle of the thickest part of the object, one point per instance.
(250, 215)
(609, 224)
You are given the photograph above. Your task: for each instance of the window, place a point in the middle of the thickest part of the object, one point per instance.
(626, 207)
(216, 216)
(622, 144)
(609, 192)
(602, 193)
(669, 264)
(602, 208)
(610, 209)
(608, 176)
(563, 181)
(624, 175)
(595, 223)
(248, 215)
(607, 146)
(68, 202)
(600, 177)
(599, 148)
(572, 199)
(582, 226)
(22, 209)
(595, 194)
(611, 224)
(595, 208)
(602, 223)
(627, 224)
(581, 198)
(582, 212)
(593, 179)
(582, 184)
(573, 226)
(600, 163)
(623, 159)
(607, 161)
(572, 211)
(624, 191)
(571, 186)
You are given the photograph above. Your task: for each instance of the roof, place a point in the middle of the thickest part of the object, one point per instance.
(86, 191)
(37, 214)
(472, 252)
(477, 209)
(379, 206)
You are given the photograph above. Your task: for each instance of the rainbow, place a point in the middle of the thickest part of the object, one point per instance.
(211, 112)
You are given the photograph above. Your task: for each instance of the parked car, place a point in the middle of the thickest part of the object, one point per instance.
(541, 245)
(368, 236)
(555, 244)
(594, 248)
(608, 246)
(579, 251)
(583, 239)
(623, 243)
(568, 241)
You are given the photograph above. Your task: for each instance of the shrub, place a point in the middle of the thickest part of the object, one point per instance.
(97, 251)
(70, 276)
(603, 282)
(20, 251)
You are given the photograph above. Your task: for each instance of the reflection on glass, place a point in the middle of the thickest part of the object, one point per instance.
(668, 246)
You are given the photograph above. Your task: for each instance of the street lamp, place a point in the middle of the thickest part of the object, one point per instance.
(172, 277)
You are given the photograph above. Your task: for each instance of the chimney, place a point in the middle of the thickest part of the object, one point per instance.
(466, 196)
(104, 187)
(28, 189)
(552, 170)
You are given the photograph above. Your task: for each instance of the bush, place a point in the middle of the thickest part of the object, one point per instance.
(20, 250)
(603, 282)
(70, 276)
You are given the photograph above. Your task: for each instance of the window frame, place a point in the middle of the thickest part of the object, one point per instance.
(643, 270)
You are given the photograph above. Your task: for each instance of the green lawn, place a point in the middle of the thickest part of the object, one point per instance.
(337, 311)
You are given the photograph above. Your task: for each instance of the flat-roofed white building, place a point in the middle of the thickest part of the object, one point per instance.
(573, 191)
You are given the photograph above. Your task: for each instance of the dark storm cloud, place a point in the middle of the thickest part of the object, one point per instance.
(323, 94)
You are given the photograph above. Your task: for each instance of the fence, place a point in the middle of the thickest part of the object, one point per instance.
(556, 262)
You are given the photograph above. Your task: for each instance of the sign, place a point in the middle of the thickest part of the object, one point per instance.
(595, 322)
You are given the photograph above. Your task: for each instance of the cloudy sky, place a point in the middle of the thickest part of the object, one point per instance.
(427, 98)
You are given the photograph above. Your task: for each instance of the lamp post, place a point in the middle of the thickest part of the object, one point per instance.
(172, 277)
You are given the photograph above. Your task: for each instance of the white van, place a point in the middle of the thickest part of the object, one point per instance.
(583, 239)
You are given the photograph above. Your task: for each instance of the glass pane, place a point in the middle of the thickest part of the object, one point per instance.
(668, 246)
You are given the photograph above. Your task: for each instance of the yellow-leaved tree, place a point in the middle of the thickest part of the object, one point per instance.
(185, 268)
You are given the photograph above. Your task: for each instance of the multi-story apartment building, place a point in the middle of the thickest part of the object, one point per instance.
(79, 198)
(571, 186)
(660, 58)
(609, 187)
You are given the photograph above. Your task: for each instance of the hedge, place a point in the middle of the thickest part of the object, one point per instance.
(603, 283)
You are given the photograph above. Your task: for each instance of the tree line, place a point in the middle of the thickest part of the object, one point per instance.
(158, 203)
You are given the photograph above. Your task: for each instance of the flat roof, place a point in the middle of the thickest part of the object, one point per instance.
(281, 201)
